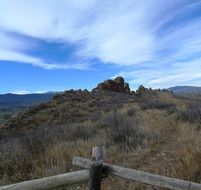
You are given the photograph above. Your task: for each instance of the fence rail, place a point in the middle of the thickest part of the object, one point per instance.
(51, 182)
(140, 176)
(94, 170)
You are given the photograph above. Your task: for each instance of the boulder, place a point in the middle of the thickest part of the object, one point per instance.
(119, 81)
(140, 90)
(116, 85)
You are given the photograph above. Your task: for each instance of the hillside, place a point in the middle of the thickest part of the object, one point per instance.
(10, 104)
(191, 90)
(8, 101)
(79, 106)
(150, 130)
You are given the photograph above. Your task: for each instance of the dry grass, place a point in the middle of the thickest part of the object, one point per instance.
(188, 153)
(150, 139)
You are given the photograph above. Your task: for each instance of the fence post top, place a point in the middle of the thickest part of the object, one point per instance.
(98, 153)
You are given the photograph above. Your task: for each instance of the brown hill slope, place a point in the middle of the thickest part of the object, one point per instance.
(149, 130)
(71, 106)
(79, 106)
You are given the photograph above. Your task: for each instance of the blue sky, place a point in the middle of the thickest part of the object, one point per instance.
(48, 45)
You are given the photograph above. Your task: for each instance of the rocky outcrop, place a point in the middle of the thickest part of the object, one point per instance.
(145, 91)
(116, 85)
(141, 89)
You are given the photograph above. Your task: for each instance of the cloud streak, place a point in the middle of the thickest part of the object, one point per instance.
(162, 34)
(165, 77)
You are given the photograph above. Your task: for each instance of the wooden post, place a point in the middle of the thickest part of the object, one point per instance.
(95, 172)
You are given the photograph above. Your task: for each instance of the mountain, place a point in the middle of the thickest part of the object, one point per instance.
(10, 104)
(186, 90)
(14, 100)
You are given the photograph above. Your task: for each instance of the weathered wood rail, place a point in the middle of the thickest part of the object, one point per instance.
(94, 170)
(51, 182)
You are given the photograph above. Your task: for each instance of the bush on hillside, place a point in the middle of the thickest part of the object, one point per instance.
(191, 113)
(124, 131)
(15, 162)
(156, 104)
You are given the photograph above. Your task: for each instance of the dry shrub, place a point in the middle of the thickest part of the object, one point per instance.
(156, 104)
(44, 152)
(124, 131)
(58, 158)
(114, 183)
(190, 113)
(132, 111)
(82, 131)
(188, 161)
(19, 164)
(15, 162)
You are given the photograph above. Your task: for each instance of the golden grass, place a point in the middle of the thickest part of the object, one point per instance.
(188, 153)
(171, 148)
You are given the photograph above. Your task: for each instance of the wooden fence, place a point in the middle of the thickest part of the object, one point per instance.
(95, 170)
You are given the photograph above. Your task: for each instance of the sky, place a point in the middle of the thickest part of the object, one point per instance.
(56, 45)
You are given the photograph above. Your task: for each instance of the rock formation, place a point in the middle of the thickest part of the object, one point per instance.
(140, 90)
(116, 85)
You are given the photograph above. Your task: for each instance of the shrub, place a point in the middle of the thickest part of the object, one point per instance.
(81, 131)
(156, 104)
(15, 162)
(132, 111)
(191, 113)
(124, 131)
(35, 141)
(95, 116)
(188, 159)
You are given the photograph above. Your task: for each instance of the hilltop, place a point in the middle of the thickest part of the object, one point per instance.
(80, 105)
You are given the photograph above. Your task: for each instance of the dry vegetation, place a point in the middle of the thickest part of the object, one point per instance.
(157, 132)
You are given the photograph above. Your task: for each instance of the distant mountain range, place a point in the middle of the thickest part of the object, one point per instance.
(9, 101)
(186, 90)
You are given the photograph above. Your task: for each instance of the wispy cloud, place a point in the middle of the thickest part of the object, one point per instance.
(23, 92)
(162, 76)
(14, 56)
(162, 34)
(14, 49)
